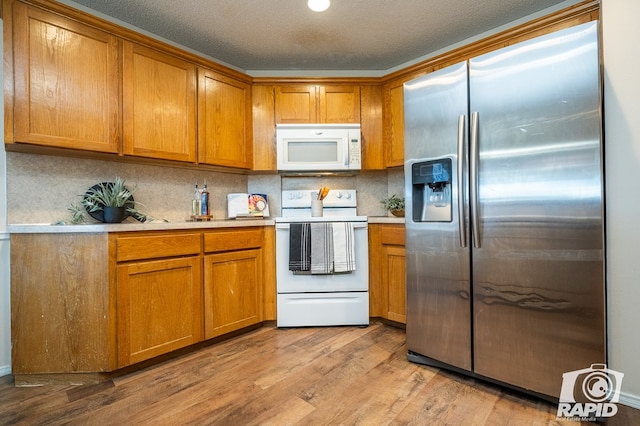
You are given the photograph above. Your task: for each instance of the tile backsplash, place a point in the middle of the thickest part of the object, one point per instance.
(40, 188)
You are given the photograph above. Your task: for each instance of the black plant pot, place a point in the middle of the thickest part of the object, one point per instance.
(113, 214)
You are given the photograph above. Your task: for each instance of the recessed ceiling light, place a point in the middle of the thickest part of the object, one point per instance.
(318, 5)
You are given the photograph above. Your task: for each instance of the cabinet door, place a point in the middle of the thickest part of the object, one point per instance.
(67, 77)
(232, 295)
(392, 238)
(159, 307)
(395, 126)
(61, 305)
(387, 272)
(394, 269)
(339, 104)
(159, 105)
(317, 104)
(371, 107)
(264, 128)
(224, 125)
(296, 104)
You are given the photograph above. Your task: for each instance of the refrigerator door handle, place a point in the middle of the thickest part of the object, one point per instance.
(461, 222)
(473, 180)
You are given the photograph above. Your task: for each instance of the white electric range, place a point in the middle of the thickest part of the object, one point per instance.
(325, 299)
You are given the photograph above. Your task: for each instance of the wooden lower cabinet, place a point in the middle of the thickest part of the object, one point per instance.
(62, 310)
(84, 305)
(394, 273)
(387, 272)
(232, 291)
(159, 307)
(233, 280)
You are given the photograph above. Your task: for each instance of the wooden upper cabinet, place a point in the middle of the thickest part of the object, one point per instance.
(66, 82)
(339, 104)
(317, 104)
(394, 126)
(224, 120)
(264, 127)
(159, 104)
(371, 105)
(296, 104)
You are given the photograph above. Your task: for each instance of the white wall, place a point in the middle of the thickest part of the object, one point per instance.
(621, 34)
(5, 312)
(5, 316)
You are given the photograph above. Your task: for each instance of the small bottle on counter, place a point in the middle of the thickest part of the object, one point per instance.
(204, 200)
(195, 202)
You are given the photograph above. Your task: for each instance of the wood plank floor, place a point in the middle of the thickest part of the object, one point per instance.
(270, 376)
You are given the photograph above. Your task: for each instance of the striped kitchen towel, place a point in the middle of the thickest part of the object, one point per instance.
(299, 247)
(321, 248)
(344, 250)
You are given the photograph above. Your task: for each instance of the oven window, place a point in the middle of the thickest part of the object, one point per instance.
(312, 152)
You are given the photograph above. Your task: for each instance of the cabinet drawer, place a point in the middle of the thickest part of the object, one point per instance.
(232, 240)
(393, 235)
(156, 246)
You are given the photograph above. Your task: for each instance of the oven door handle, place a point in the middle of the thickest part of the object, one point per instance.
(356, 225)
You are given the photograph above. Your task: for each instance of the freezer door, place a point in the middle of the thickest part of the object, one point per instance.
(438, 291)
(538, 271)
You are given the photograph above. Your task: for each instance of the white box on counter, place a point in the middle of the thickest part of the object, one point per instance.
(244, 205)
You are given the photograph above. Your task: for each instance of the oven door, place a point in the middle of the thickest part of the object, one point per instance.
(290, 282)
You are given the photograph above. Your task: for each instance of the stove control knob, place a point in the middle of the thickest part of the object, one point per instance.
(291, 196)
(347, 196)
(339, 195)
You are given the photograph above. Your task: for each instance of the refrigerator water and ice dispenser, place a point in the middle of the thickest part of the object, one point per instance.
(431, 181)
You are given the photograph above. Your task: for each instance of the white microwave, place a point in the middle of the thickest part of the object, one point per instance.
(318, 147)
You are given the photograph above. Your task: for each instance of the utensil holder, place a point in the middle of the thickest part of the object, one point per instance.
(316, 208)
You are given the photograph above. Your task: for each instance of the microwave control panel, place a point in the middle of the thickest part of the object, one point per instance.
(355, 156)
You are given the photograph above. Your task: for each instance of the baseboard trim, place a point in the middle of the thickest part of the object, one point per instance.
(5, 370)
(629, 400)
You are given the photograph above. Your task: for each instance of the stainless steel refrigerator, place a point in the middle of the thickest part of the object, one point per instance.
(504, 213)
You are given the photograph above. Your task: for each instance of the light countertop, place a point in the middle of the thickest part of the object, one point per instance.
(385, 219)
(47, 228)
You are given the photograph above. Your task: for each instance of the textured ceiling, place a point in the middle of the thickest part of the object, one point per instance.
(284, 35)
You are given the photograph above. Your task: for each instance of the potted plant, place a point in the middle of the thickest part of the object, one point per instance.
(395, 205)
(112, 199)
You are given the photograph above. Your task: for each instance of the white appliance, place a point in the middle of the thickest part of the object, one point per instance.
(318, 147)
(306, 299)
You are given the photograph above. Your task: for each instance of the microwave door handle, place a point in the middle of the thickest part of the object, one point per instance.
(346, 154)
